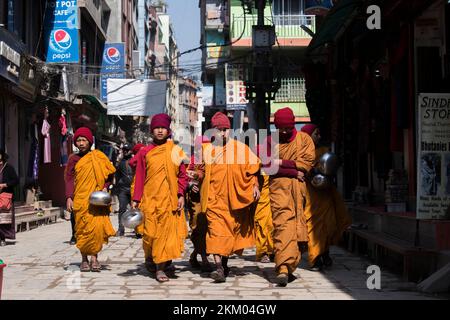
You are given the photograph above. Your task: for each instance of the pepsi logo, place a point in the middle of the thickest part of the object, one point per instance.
(111, 55)
(60, 40)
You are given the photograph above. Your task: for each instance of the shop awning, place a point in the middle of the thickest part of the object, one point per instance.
(94, 101)
(335, 23)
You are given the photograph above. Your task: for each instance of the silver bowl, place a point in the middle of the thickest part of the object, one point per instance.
(132, 218)
(320, 181)
(100, 198)
(328, 164)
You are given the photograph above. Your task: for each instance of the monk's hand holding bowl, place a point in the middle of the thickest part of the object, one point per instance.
(301, 176)
(134, 204)
(180, 203)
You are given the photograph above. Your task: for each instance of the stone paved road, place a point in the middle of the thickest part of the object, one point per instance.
(42, 265)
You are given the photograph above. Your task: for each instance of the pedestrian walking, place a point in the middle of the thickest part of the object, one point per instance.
(159, 191)
(325, 212)
(139, 230)
(86, 172)
(287, 188)
(228, 190)
(124, 178)
(8, 180)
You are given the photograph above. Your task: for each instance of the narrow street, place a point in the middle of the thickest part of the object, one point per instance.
(42, 265)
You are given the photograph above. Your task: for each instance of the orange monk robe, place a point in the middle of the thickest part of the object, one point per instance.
(326, 217)
(165, 228)
(287, 203)
(263, 221)
(226, 196)
(92, 224)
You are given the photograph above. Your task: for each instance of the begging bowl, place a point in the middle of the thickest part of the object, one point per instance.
(100, 198)
(328, 164)
(320, 181)
(132, 218)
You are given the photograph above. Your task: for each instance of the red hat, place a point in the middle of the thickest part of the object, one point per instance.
(84, 132)
(309, 128)
(137, 147)
(284, 118)
(221, 121)
(160, 120)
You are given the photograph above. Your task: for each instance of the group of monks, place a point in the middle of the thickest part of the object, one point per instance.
(233, 203)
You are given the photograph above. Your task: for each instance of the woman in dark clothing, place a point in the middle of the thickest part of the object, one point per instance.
(8, 180)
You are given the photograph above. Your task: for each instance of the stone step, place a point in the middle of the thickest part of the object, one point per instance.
(23, 208)
(25, 220)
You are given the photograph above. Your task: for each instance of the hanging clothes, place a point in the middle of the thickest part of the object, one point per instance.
(47, 144)
(63, 144)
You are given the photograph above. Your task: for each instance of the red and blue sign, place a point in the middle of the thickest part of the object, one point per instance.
(113, 65)
(61, 31)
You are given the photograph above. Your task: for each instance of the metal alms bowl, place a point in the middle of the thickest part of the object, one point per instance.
(132, 218)
(328, 164)
(100, 198)
(320, 181)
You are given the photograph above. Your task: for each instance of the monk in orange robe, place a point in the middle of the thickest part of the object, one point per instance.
(263, 220)
(263, 223)
(296, 158)
(159, 192)
(325, 212)
(86, 172)
(229, 188)
(197, 218)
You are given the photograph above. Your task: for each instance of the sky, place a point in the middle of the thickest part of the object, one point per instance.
(185, 18)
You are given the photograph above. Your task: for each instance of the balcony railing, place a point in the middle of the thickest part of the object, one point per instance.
(84, 82)
(286, 26)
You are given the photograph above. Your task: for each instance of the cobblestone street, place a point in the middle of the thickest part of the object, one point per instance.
(42, 265)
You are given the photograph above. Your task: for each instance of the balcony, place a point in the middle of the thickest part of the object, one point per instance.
(216, 17)
(287, 28)
(83, 82)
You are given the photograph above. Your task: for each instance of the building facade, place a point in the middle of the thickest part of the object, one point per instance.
(229, 24)
(363, 92)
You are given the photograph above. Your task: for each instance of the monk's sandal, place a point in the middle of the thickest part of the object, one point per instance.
(218, 275)
(282, 279)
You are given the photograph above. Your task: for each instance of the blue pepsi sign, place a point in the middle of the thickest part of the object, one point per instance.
(61, 14)
(62, 46)
(61, 31)
(113, 65)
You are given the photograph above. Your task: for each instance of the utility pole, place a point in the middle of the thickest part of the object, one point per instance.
(260, 87)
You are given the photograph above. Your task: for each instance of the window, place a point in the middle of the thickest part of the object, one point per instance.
(288, 7)
(291, 90)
